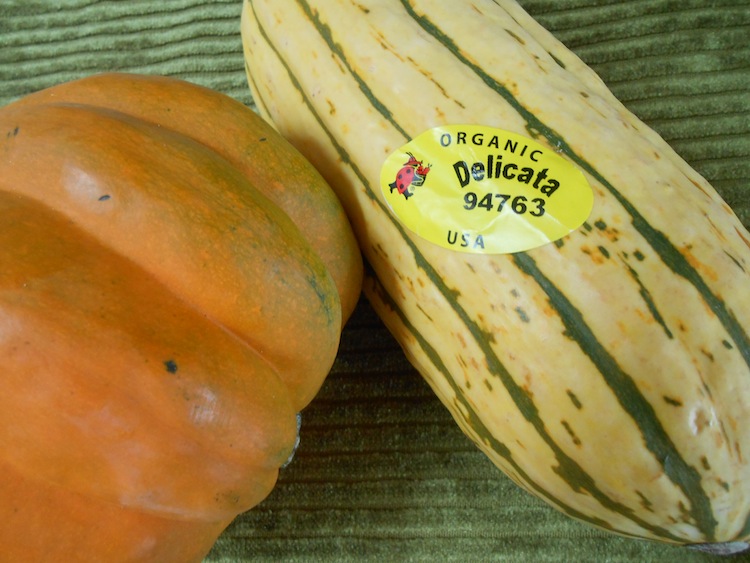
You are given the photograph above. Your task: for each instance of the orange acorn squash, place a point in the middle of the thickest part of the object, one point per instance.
(174, 279)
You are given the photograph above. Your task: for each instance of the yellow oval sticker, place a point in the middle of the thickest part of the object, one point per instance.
(474, 188)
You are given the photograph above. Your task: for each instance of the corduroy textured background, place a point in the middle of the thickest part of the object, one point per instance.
(383, 473)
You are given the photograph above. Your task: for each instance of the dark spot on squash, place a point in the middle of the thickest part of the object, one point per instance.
(516, 37)
(736, 261)
(650, 303)
(685, 514)
(229, 498)
(363, 8)
(727, 345)
(598, 255)
(601, 225)
(705, 464)
(645, 503)
(171, 366)
(639, 255)
(708, 354)
(105, 197)
(574, 399)
(13, 133)
(558, 61)
(263, 139)
(569, 430)
(522, 315)
(672, 401)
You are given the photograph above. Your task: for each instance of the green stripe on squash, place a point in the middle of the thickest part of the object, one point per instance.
(569, 470)
(630, 398)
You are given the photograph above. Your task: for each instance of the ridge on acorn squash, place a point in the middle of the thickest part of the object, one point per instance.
(175, 277)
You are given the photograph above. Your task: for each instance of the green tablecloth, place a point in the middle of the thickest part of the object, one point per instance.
(383, 473)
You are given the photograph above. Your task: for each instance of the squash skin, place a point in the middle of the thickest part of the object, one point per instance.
(631, 331)
(227, 128)
(132, 130)
(111, 532)
(163, 320)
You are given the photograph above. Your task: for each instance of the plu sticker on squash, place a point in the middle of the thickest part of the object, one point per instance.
(480, 189)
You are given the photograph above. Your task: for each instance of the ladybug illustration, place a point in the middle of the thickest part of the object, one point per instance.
(412, 173)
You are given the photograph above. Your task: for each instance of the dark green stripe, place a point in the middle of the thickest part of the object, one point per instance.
(255, 88)
(670, 255)
(629, 396)
(657, 440)
(578, 479)
(649, 300)
(567, 468)
(470, 416)
(325, 33)
(736, 261)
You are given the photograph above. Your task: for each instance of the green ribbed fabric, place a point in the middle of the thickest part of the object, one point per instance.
(383, 473)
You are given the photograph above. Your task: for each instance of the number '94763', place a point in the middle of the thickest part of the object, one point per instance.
(520, 205)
